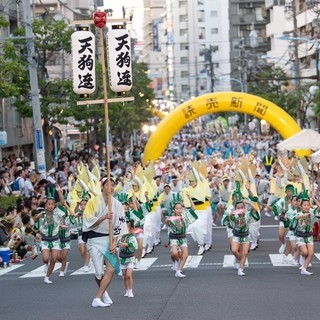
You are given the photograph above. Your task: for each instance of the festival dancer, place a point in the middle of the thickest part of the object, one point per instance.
(288, 223)
(178, 223)
(82, 246)
(280, 208)
(303, 223)
(48, 224)
(239, 220)
(128, 245)
(137, 214)
(96, 235)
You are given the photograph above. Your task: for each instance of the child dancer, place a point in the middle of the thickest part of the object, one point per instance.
(128, 245)
(178, 223)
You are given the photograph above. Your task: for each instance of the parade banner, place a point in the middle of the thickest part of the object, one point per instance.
(83, 62)
(119, 59)
(240, 102)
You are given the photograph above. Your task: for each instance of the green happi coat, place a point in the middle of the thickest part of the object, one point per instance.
(49, 225)
(138, 216)
(240, 224)
(281, 205)
(179, 227)
(131, 240)
(303, 226)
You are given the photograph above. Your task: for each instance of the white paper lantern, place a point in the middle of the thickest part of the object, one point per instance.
(119, 59)
(83, 62)
(251, 126)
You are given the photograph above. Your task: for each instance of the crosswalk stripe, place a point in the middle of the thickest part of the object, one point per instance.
(146, 263)
(39, 272)
(11, 268)
(81, 272)
(277, 260)
(228, 260)
(193, 261)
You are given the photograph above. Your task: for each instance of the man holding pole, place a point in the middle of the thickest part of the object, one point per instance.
(103, 223)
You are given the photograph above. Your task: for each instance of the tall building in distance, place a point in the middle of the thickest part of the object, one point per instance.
(186, 47)
(248, 19)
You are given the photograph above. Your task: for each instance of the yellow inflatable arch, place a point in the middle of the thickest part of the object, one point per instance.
(217, 102)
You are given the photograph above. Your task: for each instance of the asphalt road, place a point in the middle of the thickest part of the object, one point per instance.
(211, 290)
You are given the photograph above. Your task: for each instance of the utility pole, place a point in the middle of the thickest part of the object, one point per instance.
(297, 66)
(39, 155)
(208, 58)
(243, 74)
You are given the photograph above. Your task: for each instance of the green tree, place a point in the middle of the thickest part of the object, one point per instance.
(274, 86)
(13, 70)
(58, 102)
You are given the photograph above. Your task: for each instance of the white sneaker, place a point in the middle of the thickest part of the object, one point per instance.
(61, 274)
(179, 274)
(106, 298)
(266, 213)
(282, 248)
(213, 224)
(149, 250)
(137, 264)
(207, 247)
(143, 254)
(240, 272)
(276, 218)
(305, 272)
(130, 294)
(85, 269)
(45, 268)
(236, 265)
(253, 246)
(164, 227)
(98, 303)
(126, 294)
(200, 251)
(47, 280)
(175, 265)
(294, 262)
(66, 268)
(285, 259)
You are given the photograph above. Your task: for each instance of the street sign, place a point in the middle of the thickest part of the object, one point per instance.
(3, 138)
(39, 140)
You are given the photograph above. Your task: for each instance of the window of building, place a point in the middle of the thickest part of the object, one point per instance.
(183, 3)
(183, 32)
(213, 14)
(259, 14)
(202, 33)
(202, 49)
(214, 30)
(201, 16)
(185, 89)
(184, 46)
(184, 74)
(183, 18)
(184, 60)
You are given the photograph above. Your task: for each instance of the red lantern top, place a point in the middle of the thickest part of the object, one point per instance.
(100, 19)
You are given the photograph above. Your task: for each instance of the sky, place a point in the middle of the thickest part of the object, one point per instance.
(136, 5)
